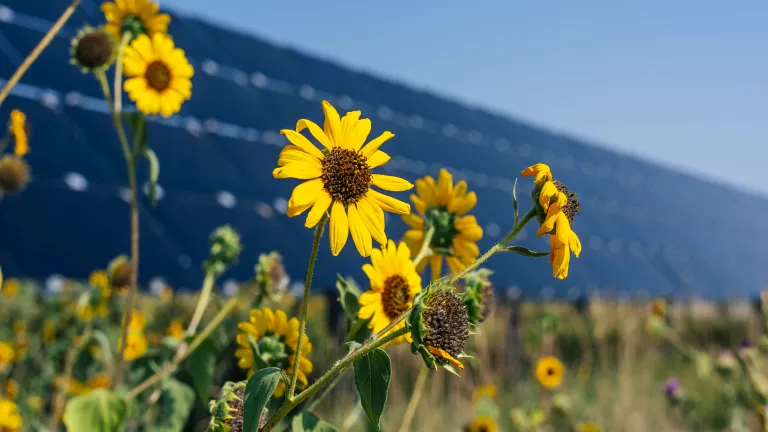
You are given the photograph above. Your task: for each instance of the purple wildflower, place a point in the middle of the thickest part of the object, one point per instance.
(672, 388)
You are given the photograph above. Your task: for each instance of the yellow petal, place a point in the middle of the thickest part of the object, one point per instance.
(370, 148)
(388, 203)
(322, 202)
(281, 322)
(425, 188)
(547, 192)
(469, 229)
(539, 171)
(315, 131)
(444, 186)
(444, 355)
(333, 123)
(373, 218)
(306, 193)
(420, 205)
(298, 170)
(375, 279)
(356, 138)
(291, 153)
(391, 183)
(462, 205)
(414, 221)
(302, 142)
(339, 231)
(378, 159)
(360, 235)
(370, 298)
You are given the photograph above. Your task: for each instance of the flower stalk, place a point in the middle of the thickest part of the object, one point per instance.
(61, 393)
(413, 403)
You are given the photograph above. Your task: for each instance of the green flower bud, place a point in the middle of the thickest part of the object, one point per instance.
(478, 296)
(227, 410)
(270, 275)
(225, 249)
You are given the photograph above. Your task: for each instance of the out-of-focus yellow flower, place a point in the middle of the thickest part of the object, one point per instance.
(49, 331)
(483, 424)
(394, 282)
(7, 354)
(549, 372)
(589, 427)
(166, 293)
(340, 177)
(443, 206)
(20, 328)
(35, 402)
(483, 391)
(176, 330)
(158, 75)
(11, 389)
(135, 17)
(659, 307)
(76, 388)
(10, 287)
(84, 312)
(138, 321)
(100, 280)
(18, 129)
(276, 337)
(103, 308)
(10, 419)
(136, 347)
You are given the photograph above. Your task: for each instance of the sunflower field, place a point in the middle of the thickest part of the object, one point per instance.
(421, 343)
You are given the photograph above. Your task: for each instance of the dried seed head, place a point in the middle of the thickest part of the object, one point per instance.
(119, 272)
(446, 322)
(572, 209)
(14, 173)
(346, 175)
(93, 50)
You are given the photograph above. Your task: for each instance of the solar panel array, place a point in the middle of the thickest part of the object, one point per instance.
(644, 228)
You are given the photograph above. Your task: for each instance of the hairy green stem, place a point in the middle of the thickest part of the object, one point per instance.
(305, 305)
(130, 163)
(202, 303)
(413, 403)
(425, 249)
(338, 368)
(165, 372)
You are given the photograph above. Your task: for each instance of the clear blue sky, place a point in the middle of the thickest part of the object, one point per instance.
(681, 82)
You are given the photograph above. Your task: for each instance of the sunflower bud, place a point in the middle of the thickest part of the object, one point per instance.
(270, 275)
(93, 50)
(439, 326)
(119, 272)
(14, 174)
(225, 248)
(227, 410)
(478, 296)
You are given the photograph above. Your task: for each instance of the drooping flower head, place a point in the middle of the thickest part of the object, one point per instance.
(439, 326)
(340, 177)
(119, 273)
(393, 284)
(18, 129)
(549, 372)
(443, 207)
(274, 337)
(14, 173)
(478, 295)
(159, 75)
(136, 17)
(556, 208)
(93, 50)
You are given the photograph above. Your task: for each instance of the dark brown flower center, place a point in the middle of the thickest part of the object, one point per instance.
(158, 76)
(395, 296)
(572, 209)
(346, 175)
(447, 322)
(550, 371)
(94, 50)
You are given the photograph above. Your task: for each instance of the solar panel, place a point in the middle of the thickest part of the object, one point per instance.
(644, 227)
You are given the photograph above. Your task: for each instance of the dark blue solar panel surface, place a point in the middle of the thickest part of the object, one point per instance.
(644, 227)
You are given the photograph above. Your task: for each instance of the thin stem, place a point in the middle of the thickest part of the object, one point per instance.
(425, 249)
(202, 303)
(165, 372)
(305, 304)
(418, 390)
(339, 367)
(44, 42)
(134, 208)
(119, 74)
(61, 393)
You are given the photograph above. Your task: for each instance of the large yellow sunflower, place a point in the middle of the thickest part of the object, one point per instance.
(275, 338)
(339, 177)
(443, 205)
(159, 75)
(557, 207)
(135, 17)
(394, 282)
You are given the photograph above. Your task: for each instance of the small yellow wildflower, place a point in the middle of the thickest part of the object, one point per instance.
(483, 424)
(19, 131)
(589, 427)
(35, 402)
(339, 179)
(7, 355)
(549, 372)
(135, 17)
(10, 419)
(176, 330)
(138, 321)
(483, 391)
(100, 280)
(84, 312)
(10, 287)
(11, 389)
(158, 75)
(136, 347)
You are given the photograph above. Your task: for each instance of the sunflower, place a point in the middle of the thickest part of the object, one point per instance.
(443, 206)
(10, 419)
(549, 372)
(136, 347)
(7, 355)
(10, 287)
(100, 280)
(159, 75)
(339, 177)
(175, 330)
(138, 321)
(557, 208)
(18, 129)
(394, 282)
(589, 427)
(483, 424)
(274, 337)
(484, 391)
(136, 17)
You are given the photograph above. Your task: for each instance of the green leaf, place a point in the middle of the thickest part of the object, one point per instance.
(258, 391)
(201, 364)
(138, 125)
(372, 374)
(154, 173)
(99, 410)
(348, 295)
(514, 202)
(525, 251)
(308, 422)
(176, 401)
(106, 350)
